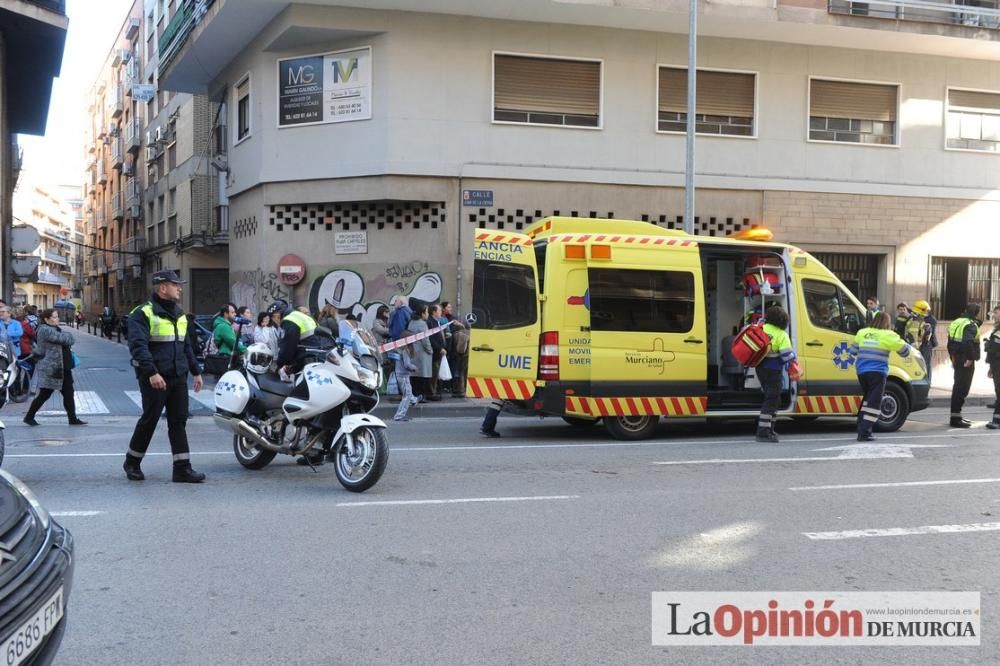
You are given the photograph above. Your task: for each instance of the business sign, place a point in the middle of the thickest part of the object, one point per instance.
(331, 87)
(291, 269)
(477, 198)
(143, 92)
(350, 242)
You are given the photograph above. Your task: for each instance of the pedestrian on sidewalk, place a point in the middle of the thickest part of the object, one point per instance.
(771, 371)
(54, 368)
(993, 360)
(404, 366)
(423, 354)
(963, 347)
(871, 348)
(163, 357)
(439, 350)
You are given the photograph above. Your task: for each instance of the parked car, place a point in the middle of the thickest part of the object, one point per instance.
(36, 574)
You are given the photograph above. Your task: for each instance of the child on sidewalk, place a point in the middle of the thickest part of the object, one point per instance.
(404, 366)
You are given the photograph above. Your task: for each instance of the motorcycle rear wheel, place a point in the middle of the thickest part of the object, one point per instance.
(250, 455)
(361, 471)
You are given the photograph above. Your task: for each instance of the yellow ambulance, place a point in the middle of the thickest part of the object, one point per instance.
(624, 322)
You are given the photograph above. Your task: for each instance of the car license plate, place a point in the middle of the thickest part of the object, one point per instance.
(32, 633)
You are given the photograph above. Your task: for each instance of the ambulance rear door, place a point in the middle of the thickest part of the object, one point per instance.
(505, 319)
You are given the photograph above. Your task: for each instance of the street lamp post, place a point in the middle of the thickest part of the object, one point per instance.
(691, 94)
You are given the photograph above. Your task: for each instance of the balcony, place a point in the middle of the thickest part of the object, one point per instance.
(101, 217)
(132, 25)
(117, 258)
(117, 154)
(44, 277)
(102, 172)
(133, 138)
(133, 193)
(117, 210)
(925, 11)
(134, 246)
(55, 258)
(117, 102)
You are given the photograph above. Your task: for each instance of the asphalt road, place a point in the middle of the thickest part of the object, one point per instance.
(542, 547)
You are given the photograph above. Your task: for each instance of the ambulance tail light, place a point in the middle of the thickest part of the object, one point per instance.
(548, 356)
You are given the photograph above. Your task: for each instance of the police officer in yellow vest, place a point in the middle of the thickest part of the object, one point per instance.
(162, 357)
(296, 327)
(870, 350)
(963, 347)
(992, 346)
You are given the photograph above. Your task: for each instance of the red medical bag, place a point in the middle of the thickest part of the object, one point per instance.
(751, 345)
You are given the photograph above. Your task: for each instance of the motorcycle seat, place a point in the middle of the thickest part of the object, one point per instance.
(271, 383)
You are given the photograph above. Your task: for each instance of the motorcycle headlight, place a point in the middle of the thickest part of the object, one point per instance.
(368, 378)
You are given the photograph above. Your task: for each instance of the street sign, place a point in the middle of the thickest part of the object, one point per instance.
(291, 269)
(477, 198)
(24, 239)
(350, 242)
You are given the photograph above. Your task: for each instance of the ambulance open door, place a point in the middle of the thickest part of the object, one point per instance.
(505, 319)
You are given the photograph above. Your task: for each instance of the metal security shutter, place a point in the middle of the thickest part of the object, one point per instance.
(547, 85)
(859, 101)
(981, 102)
(719, 93)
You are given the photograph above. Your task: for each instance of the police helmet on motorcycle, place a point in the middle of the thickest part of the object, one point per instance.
(921, 308)
(258, 358)
(279, 306)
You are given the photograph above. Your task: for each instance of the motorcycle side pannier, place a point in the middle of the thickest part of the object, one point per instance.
(750, 345)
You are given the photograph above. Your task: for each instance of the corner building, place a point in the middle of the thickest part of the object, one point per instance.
(865, 133)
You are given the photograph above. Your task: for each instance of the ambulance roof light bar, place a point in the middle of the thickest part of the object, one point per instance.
(754, 233)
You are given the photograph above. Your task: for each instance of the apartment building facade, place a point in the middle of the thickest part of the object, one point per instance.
(30, 32)
(371, 140)
(55, 218)
(151, 186)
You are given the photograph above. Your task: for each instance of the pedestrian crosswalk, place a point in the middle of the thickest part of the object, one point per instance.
(122, 403)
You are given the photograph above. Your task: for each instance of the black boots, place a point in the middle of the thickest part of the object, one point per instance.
(30, 420)
(489, 427)
(867, 437)
(183, 473)
(959, 422)
(132, 470)
(766, 435)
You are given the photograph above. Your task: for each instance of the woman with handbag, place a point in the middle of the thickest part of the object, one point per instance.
(54, 368)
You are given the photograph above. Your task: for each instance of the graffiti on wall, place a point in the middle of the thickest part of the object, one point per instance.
(258, 288)
(361, 290)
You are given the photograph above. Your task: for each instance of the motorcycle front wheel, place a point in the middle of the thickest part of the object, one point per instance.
(360, 470)
(250, 455)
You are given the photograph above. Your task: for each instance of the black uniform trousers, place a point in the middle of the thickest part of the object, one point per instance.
(873, 388)
(175, 399)
(69, 401)
(960, 390)
(995, 367)
(770, 382)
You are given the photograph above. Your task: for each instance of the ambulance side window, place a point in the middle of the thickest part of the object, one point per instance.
(503, 295)
(829, 307)
(636, 300)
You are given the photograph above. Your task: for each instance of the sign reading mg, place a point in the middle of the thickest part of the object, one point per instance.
(325, 88)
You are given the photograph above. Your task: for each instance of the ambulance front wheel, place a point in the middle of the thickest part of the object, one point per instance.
(895, 408)
(631, 427)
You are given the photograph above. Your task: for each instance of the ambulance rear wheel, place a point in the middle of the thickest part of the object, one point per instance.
(631, 427)
(895, 408)
(578, 422)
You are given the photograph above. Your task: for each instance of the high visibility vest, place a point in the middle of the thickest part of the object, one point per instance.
(781, 344)
(306, 324)
(162, 329)
(956, 330)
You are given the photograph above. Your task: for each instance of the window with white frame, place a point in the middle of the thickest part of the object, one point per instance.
(242, 109)
(853, 112)
(973, 121)
(724, 103)
(546, 91)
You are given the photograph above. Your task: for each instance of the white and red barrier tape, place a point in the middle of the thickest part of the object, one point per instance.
(402, 342)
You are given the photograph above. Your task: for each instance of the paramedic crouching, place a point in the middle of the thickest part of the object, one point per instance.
(771, 370)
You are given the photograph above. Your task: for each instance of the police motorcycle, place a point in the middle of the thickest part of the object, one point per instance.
(323, 410)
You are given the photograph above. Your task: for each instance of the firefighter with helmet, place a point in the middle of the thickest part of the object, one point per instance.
(922, 326)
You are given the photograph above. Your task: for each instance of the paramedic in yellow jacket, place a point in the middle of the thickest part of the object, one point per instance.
(771, 370)
(871, 349)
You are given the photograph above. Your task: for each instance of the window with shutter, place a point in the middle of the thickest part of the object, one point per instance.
(724, 103)
(243, 109)
(852, 112)
(973, 120)
(549, 91)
